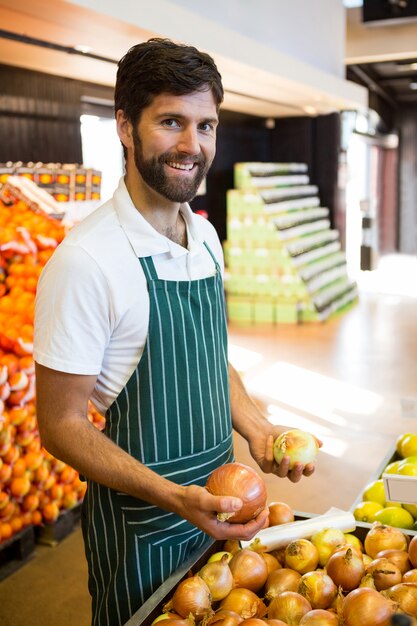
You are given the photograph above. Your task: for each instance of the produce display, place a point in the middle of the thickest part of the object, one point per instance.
(34, 486)
(373, 505)
(331, 578)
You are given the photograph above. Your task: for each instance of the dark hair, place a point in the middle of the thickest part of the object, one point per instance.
(162, 66)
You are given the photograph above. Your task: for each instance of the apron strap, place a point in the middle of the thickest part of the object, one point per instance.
(148, 265)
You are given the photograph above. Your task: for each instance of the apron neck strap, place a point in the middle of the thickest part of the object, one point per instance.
(148, 265)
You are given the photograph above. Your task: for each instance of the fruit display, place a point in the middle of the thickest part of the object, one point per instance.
(34, 486)
(373, 504)
(330, 578)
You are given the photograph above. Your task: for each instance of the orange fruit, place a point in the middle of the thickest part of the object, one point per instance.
(19, 468)
(20, 486)
(6, 530)
(30, 502)
(17, 524)
(50, 512)
(36, 518)
(33, 460)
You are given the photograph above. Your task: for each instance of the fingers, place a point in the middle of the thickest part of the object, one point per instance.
(269, 459)
(241, 532)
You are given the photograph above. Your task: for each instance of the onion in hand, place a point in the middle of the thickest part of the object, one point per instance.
(299, 446)
(239, 481)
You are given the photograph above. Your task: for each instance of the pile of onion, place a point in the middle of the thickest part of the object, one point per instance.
(299, 446)
(240, 481)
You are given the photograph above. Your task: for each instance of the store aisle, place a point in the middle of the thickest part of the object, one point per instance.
(351, 380)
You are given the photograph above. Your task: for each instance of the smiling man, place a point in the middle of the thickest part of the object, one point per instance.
(130, 314)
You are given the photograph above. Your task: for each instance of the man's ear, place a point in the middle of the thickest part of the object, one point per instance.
(124, 129)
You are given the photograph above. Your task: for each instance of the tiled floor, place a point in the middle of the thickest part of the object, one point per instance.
(351, 380)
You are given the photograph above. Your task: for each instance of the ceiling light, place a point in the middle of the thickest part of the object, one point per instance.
(81, 48)
(413, 66)
(413, 86)
(309, 110)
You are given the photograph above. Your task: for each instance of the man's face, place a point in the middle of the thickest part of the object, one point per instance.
(175, 143)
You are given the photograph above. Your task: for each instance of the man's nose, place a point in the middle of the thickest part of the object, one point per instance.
(188, 141)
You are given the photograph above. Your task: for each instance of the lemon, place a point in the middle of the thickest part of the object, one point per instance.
(392, 468)
(408, 469)
(366, 511)
(410, 459)
(395, 516)
(411, 508)
(375, 492)
(391, 503)
(353, 540)
(400, 441)
(408, 445)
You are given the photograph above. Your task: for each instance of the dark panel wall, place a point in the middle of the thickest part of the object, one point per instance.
(407, 127)
(40, 115)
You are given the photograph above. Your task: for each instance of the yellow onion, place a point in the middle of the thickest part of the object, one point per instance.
(346, 569)
(244, 602)
(301, 555)
(164, 616)
(289, 607)
(191, 597)
(367, 581)
(231, 545)
(283, 579)
(384, 572)
(410, 576)
(249, 570)
(326, 541)
(398, 557)
(280, 513)
(271, 561)
(412, 551)
(218, 577)
(319, 617)
(240, 481)
(381, 537)
(222, 617)
(405, 594)
(367, 607)
(299, 446)
(318, 588)
(275, 622)
(253, 621)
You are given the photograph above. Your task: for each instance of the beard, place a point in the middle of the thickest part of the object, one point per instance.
(153, 172)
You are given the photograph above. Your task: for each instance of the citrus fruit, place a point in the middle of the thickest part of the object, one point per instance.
(408, 469)
(410, 459)
(395, 516)
(375, 492)
(392, 468)
(411, 508)
(408, 445)
(400, 440)
(366, 511)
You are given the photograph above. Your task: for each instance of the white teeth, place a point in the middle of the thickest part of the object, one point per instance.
(182, 166)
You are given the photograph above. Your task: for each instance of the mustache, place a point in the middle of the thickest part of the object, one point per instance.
(197, 159)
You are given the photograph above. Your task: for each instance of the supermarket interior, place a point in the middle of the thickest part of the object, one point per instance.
(312, 193)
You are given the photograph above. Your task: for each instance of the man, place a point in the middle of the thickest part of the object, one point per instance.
(130, 313)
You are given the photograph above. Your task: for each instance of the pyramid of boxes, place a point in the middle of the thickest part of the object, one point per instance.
(284, 262)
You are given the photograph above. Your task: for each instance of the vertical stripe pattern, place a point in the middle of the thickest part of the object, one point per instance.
(174, 416)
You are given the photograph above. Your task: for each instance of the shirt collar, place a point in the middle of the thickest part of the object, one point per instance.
(144, 239)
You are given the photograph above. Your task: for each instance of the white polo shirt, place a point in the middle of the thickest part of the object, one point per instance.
(92, 303)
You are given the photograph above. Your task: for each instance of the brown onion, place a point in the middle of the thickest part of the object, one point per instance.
(384, 572)
(367, 581)
(290, 607)
(280, 513)
(240, 481)
(271, 561)
(218, 577)
(318, 588)
(222, 617)
(301, 555)
(346, 569)
(192, 596)
(244, 602)
(319, 617)
(381, 537)
(412, 551)
(253, 621)
(398, 557)
(280, 580)
(326, 541)
(231, 545)
(164, 616)
(366, 607)
(249, 570)
(410, 576)
(405, 594)
(275, 622)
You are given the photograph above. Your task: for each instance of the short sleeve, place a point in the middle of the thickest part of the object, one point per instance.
(73, 313)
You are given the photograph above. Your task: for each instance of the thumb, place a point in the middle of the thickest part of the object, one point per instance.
(226, 504)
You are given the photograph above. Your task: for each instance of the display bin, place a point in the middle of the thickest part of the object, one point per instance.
(398, 488)
(153, 607)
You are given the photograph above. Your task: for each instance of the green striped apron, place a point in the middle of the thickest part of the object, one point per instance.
(173, 415)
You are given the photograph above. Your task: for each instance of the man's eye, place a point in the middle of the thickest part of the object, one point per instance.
(206, 127)
(171, 123)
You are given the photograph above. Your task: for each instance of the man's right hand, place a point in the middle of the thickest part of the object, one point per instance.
(201, 508)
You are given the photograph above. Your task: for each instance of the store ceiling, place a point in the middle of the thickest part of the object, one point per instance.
(68, 28)
(395, 81)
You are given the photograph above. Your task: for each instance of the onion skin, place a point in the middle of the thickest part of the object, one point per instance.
(299, 446)
(249, 570)
(218, 577)
(245, 603)
(280, 513)
(319, 617)
(398, 557)
(271, 561)
(253, 621)
(382, 537)
(410, 576)
(384, 572)
(412, 551)
(284, 579)
(290, 607)
(240, 481)
(223, 617)
(346, 569)
(275, 622)
(301, 555)
(405, 594)
(326, 541)
(192, 596)
(366, 607)
(318, 588)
